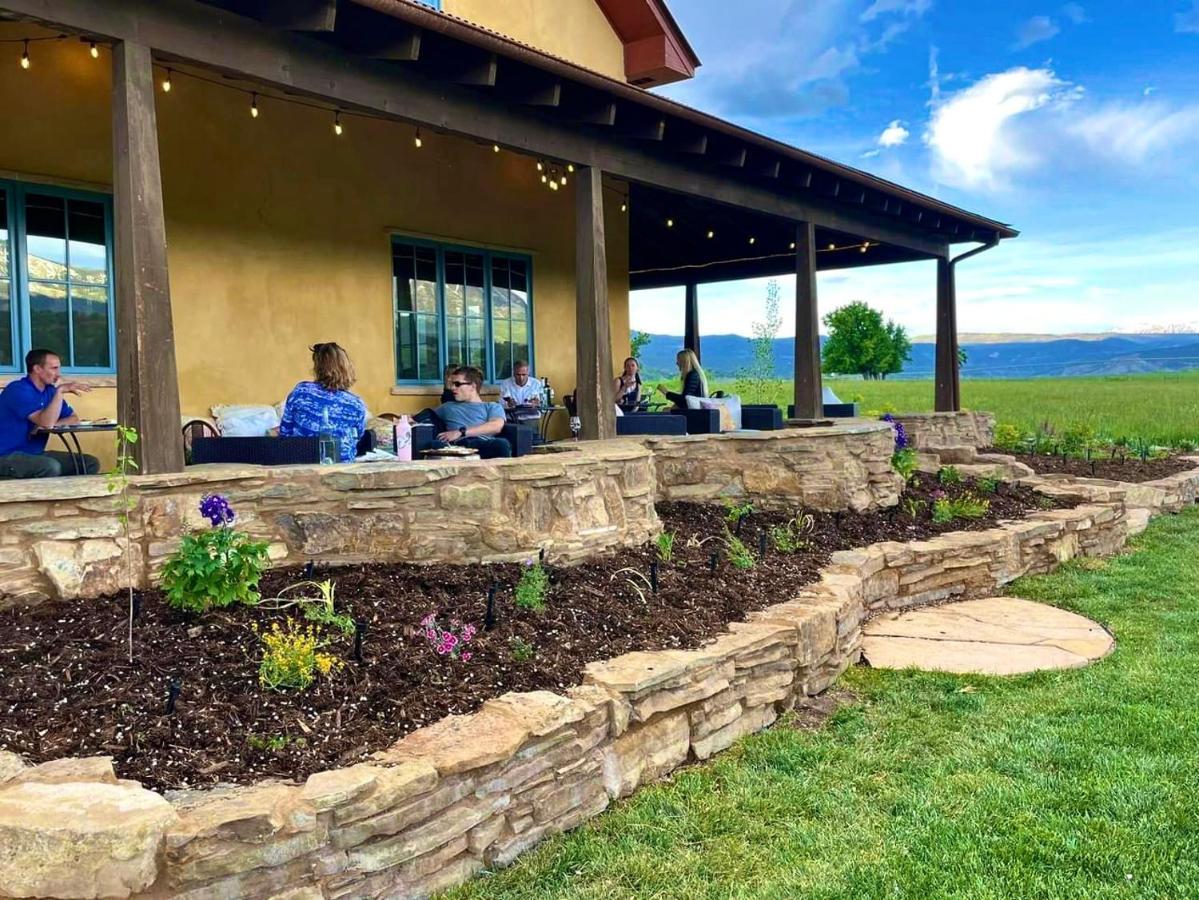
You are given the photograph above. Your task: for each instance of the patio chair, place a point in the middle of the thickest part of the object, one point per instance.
(520, 437)
(266, 451)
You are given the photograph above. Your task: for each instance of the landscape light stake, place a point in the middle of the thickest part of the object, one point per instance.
(360, 629)
(541, 555)
(653, 576)
(309, 569)
(137, 606)
(762, 543)
(174, 688)
(712, 560)
(1092, 468)
(489, 619)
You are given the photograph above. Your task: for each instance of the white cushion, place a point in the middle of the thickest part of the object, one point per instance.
(729, 408)
(245, 419)
(827, 396)
(693, 402)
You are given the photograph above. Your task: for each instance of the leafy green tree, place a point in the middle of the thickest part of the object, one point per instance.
(638, 341)
(860, 343)
(962, 357)
(756, 382)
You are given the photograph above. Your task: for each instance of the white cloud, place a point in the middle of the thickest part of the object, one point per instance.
(1188, 22)
(1075, 13)
(973, 135)
(1035, 30)
(900, 7)
(893, 135)
(1136, 133)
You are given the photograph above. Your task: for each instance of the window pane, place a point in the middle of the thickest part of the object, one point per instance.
(476, 341)
(455, 338)
(89, 315)
(426, 295)
(405, 284)
(427, 348)
(454, 305)
(406, 347)
(426, 264)
(3, 235)
(46, 236)
(85, 230)
(48, 319)
(5, 324)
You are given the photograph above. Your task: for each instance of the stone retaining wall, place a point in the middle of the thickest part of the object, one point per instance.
(476, 791)
(955, 436)
(843, 467)
(63, 537)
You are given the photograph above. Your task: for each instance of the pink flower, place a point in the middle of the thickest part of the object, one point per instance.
(466, 657)
(469, 632)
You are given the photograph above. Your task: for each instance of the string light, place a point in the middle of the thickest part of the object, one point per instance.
(254, 106)
(544, 178)
(865, 246)
(540, 167)
(417, 141)
(792, 245)
(495, 147)
(563, 181)
(753, 240)
(624, 207)
(95, 51)
(337, 129)
(25, 63)
(570, 167)
(166, 83)
(553, 185)
(830, 246)
(670, 223)
(711, 234)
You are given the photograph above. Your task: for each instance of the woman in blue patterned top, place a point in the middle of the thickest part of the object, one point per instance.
(326, 402)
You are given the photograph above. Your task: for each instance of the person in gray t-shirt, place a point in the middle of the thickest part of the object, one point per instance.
(471, 422)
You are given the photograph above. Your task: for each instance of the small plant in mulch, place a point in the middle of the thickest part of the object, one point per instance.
(319, 609)
(736, 551)
(1007, 437)
(791, 536)
(292, 657)
(949, 476)
(987, 485)
(735, 512)
(273, 743)
(967, 506)
(522, 650)
(533, 585)
(905, 464)
(914, 508)
(665, 544)
(216, 568)
(450, 640)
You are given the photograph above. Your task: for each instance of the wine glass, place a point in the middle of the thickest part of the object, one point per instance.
(576, 425)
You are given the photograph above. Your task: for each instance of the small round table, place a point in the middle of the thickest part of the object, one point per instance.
(73, 432)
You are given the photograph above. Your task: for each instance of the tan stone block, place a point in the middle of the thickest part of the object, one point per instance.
(462, 743)
(395, 818)
(469, 497)
(752, 720)
(87, 568)
(704, 723)
(246, 814)
(615, 708)
(770, 688)
(337, 787)
(91, 769)
(646, 753)
(482, 836)
(538, 712)
(11, 765)
(80, 840)
(204, 860)
(413, 842)
(635, 673)
(702, 684)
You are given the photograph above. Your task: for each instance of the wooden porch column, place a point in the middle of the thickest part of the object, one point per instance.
(147, 383)
(593, 338)
(691, 319)
(809, 398)
(948, 391)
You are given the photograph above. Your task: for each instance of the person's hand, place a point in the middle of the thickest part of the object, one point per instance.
(534, 400)
(508, 402)
(450, 436)
(73, 387)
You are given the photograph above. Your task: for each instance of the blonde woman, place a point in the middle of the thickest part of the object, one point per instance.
(695, 382)
(325, 403)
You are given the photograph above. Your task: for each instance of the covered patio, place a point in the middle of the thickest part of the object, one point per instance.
(662, 194)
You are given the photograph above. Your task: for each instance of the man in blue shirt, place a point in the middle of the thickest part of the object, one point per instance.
(38, 401)
(471, 422)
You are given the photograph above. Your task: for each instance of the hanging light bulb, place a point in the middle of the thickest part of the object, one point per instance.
(832, 246)
(570, 167)
(865, 246)
(95, 51)
(793, 245)
(25, 63)
(544, 178)
(254, 106)
(553, 185)
(166, 83)
(753, 240)
(540, 166)
(417, 141)
(711, 234)
(563, 180)
(337, 129)
(495, 147)
(624, 207)
(670, 223)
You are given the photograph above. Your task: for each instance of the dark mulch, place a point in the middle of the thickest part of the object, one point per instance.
(67, 689)
(1117, 468)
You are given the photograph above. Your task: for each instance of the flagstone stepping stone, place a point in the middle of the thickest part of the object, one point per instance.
(993, 636)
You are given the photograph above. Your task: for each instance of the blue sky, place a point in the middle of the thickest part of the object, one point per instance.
(1078, 123)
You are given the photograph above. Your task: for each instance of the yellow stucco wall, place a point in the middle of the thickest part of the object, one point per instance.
(279, 232)
(576, 30)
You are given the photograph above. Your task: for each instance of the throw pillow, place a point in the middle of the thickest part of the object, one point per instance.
(695, 402)
(245, 420)
(384, 430)
(729, 409)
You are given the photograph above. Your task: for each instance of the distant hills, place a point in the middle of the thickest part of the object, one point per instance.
(1019, 356)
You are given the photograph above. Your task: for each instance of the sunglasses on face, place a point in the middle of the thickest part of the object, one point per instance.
(459, 383)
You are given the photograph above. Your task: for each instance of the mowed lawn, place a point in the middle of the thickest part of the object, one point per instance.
(1072, 784)
(1162, 409)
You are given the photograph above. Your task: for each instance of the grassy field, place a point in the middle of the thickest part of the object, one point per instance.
(1066, 784)
(1162, 409)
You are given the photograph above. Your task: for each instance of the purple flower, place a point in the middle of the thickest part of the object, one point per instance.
(901, 433)
(939, 495)
(216, 509)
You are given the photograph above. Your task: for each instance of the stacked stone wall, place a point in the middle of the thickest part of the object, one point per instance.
(475, 791)
(954, 436)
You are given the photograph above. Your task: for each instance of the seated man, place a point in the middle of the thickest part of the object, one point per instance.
(520, 394)
(471, 422)
(38, 401)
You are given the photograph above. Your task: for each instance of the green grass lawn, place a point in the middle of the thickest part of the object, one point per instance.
(1069, 784)
(1162, 409)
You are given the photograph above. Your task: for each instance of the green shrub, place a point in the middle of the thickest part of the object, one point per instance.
(665, 543)
(988, 485)
(736, 551)
(949, 475)
(734, 513)
(1008, 437)
(214, 569)
(532, 587)
(965, 507)
(292, 657)
(904, 463)
(914, 508)
(522, 650)
(1075, 439)
(789, 537)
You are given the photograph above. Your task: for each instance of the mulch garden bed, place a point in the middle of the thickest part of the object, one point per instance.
(67, 688)
(1120, 468)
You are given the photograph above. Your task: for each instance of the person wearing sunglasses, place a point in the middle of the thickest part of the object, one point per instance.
(469, 420)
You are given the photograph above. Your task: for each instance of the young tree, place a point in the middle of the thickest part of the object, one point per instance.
(638, 341)
(860, 343)
(754, 382)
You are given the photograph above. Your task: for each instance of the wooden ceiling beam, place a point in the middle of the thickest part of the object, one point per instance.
(301, 15)
(529, 87)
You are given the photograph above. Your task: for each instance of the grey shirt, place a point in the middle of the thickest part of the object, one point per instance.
(458, 414)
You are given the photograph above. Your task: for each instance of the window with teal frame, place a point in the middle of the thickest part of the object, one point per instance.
(459, 306)
(56, 284)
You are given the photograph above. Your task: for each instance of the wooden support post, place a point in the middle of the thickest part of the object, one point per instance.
(947, 390)
(147, 383)
(809, 392)
(691, 319)
(594, 392)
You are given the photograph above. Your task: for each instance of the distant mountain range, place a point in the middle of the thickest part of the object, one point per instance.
(1019, 356)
